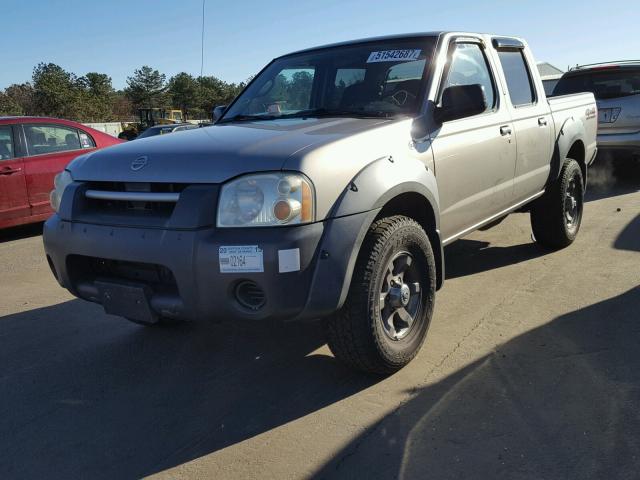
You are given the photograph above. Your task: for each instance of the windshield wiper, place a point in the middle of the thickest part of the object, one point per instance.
(247, 118)
(336, 112)
(314, 112)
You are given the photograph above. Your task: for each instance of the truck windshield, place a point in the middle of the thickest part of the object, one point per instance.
(610, 83)
(375, 79)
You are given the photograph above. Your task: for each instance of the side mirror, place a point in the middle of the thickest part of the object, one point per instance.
(218, 112)
(461, 101)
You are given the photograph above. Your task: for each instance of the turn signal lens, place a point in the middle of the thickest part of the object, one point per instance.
(306, 210)
(286, 209)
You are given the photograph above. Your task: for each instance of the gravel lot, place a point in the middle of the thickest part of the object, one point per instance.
(531, 370)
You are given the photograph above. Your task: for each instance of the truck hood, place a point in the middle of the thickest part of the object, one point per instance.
(215, 154)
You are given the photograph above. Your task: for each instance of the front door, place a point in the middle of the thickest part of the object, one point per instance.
(474, 156)
(14, 201)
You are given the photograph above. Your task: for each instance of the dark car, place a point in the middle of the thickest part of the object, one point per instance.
(32, 151)
(164, 129)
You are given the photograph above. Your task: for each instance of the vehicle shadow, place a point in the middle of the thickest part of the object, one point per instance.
(559, 401)
(628, 237)
(19, 232)
(85, 395)
(468, 257)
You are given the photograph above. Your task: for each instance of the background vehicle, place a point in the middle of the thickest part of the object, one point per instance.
(164, 129)
(328, 189)
(616, 86)
(32, 151)
(159, 116)
(150, 117)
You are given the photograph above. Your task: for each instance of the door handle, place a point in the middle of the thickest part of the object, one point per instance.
(505, 130)
(9, 171)
(542, 122)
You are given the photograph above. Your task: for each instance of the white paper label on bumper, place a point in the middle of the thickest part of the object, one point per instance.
(289, 260)
(240, 258)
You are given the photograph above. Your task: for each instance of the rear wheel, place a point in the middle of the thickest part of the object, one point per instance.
(386, 315)
(557, 215)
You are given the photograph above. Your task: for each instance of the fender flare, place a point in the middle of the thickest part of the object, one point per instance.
(569, 133)
(350, 219)
(386, 178)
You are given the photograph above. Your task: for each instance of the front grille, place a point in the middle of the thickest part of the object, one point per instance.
(112, 205)
(84, 269)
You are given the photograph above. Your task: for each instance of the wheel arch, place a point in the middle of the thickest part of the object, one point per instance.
(385, 187)
(419, 208)
(403, 186)
(577, 152)
(569, 144)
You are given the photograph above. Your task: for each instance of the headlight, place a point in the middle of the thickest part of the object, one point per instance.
(265, 200)
(60, 182)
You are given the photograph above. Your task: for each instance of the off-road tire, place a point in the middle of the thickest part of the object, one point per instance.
(356, 335)
(549, 223)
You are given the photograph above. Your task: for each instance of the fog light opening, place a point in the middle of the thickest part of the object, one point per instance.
(249, 295)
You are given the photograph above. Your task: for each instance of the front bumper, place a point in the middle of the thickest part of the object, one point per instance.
(198, 290)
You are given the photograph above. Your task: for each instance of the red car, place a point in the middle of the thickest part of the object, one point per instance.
(32, 151)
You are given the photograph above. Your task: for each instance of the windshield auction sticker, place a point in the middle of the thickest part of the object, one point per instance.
(240, 258)
(394, 56)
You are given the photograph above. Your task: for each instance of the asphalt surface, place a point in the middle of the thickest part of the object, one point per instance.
(531, 370)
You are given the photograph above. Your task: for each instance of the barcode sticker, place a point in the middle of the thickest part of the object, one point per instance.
(241, 258)
(394, 55)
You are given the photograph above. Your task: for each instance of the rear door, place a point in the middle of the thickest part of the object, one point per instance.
(531, 117)
(50, 148)
(474, 156)
(14, 201)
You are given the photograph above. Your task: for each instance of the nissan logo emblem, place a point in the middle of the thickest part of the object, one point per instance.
(139, 163)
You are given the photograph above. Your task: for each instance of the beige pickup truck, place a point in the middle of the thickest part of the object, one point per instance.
(328, 189)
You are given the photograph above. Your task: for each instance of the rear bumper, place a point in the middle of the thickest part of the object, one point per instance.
(198, 289)
(619, 141)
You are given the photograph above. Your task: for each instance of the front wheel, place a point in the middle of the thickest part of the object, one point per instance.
(557, 215)
(386, 315)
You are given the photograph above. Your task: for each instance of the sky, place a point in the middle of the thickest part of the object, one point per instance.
(117, 36)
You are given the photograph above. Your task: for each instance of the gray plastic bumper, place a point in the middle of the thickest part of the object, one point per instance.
(327, 252)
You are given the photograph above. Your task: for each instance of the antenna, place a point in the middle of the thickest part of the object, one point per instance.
(202, 42)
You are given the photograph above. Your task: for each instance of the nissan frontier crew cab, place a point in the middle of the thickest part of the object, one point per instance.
(328, 189)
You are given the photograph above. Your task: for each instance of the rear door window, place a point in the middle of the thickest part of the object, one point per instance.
(6, 142)
(43, 139)
(519, 82)
(609, 83)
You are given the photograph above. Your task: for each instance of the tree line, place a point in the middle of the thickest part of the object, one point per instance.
(54, 92)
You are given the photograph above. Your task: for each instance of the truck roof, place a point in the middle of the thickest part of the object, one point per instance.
(367, 40)
(506, 40)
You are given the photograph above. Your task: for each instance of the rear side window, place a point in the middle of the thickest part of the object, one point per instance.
(6, 142)
(518, 77)
(43, 139)
(613, 83)
(86, 141)
(469, 67)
